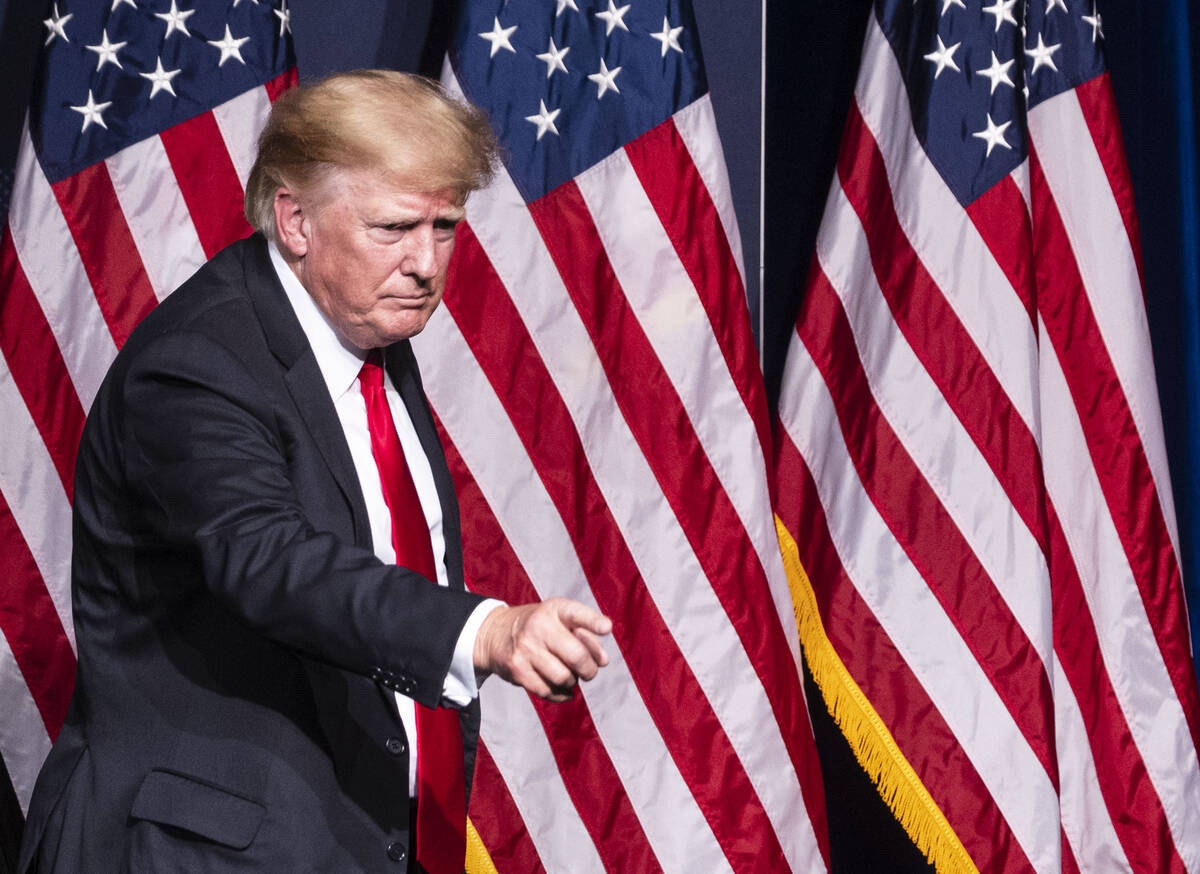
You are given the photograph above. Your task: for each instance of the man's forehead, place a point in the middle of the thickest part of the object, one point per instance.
(384, 193)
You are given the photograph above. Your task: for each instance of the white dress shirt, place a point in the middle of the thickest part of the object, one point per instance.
(340, 363)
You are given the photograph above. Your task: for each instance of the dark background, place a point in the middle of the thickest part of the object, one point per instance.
(812, 57)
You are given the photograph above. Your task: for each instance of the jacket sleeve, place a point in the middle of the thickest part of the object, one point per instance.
(204, 453)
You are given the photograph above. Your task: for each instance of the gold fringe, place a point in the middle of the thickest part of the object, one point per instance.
(872, 743)
(478, 859)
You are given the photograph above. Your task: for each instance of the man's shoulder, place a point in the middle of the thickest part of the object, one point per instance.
(205, 333)
(219, 283)
(208, 326)
(216, 300)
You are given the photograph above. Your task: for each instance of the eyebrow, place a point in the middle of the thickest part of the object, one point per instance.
(453, 215)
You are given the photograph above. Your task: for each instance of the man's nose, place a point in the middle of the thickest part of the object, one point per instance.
(421, 255)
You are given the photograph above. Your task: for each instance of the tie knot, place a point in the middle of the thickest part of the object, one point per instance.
(371, 374)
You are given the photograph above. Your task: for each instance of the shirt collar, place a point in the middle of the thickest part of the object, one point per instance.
(338, 359)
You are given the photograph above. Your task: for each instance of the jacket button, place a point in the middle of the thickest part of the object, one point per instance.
(396, 746)
(396, 851)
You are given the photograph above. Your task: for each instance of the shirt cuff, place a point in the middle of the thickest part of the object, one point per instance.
(460, 687)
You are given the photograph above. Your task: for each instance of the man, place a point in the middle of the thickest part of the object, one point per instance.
(262, 522)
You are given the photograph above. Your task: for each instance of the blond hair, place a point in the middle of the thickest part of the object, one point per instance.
(403, 126)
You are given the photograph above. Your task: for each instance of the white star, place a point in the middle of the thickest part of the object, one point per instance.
(498, 37)
(998, 73)
(544, 119)
(160, 79)
(236, 2)
(176, 19)
(57, 24)
(993, 135)
(553, 57)
(1094, 21)
(669, 37)
(1051, 4)
(565, 4)
(1002, 9)
(943, 57)
(613, 17)
(285, 18)
(106, 51)
(1042, 55)
(117, 3)
(91, 112)
(605, 79)
(230, 47)
(946, 4)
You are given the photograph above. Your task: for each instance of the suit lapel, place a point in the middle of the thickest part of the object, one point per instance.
(402, 367)
(302, 375)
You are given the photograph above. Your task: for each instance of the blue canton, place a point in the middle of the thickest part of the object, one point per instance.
(568, 82)
(972, 67)
(95, 91)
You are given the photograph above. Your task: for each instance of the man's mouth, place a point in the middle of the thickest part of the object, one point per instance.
(412, 299)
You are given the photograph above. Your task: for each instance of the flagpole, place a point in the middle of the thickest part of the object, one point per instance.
(762, 185)
(1189, 264)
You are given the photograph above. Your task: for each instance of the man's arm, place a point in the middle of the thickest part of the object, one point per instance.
(204, 450)
(205, 453)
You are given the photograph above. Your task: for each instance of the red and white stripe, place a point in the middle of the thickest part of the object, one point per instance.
(971, 461)
(81, 262)
(596, 379)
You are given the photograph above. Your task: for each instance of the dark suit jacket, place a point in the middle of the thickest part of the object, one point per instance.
(238, 640)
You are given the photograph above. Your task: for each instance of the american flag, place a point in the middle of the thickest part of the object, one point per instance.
(140, 136)
(970, 460)
(603, 411)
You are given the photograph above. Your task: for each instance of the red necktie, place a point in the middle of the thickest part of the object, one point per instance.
(441, 791)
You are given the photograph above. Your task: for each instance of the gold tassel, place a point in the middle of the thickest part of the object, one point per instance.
(478, 859)
(872, 743)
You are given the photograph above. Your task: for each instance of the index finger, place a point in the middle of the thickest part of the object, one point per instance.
(575, 615)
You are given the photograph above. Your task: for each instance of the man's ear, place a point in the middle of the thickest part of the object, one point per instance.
(289, 222)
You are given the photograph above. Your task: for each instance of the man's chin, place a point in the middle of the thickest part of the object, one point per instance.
(397, 329)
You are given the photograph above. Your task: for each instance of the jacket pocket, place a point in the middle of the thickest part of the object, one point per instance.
(205, 810)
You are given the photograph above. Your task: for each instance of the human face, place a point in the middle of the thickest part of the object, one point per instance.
(374, 255)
